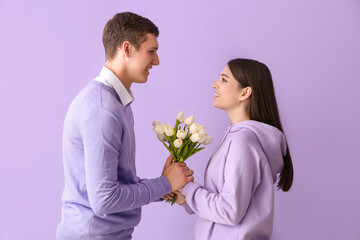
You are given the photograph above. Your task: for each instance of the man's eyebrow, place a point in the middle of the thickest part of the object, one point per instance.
(223, 74)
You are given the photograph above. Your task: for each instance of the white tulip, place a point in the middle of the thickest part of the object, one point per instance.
(181, 134)
(178, 143)
(161, 137)
(201, 131)
(203, 137)
(189, 120)
(195, 137)
(201, 127)
(157, 123)
(208, 140)
(180, 116)
(159, 129)
(194, 128)
(169, 131)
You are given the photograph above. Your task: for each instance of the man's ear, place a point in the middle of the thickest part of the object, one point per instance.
(245, 93)
(126, 48)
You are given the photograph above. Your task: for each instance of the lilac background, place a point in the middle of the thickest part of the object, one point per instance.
(49, 50)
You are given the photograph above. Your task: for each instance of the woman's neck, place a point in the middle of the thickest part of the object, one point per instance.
(238, 115)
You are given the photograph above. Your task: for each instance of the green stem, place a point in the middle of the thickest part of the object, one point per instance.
(176, 128)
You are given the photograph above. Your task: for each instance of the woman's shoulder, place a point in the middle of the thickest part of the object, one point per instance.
(254, 132)
(243, 135)
(244, 141)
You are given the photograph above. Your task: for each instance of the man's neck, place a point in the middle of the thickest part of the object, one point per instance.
(119, 73)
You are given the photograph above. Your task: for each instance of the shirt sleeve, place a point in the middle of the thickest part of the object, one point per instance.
(102, 135)
(241, 177)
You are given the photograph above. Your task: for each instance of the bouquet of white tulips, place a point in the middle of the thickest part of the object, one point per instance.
(182, 141)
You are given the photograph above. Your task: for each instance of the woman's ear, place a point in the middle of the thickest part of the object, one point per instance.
(245, 93)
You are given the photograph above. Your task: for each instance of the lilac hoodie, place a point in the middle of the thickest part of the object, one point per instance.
(237, 199)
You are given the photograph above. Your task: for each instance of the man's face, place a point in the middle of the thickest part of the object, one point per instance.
(142, 60)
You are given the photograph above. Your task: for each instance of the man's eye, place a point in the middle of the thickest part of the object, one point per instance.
(152, 51)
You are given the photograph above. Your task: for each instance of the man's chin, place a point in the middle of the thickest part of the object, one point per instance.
(140, 79)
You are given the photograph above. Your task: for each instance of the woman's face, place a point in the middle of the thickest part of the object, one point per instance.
(227, 91)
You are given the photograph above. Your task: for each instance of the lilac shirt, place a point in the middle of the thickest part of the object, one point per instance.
(102, 194)
(237, 199)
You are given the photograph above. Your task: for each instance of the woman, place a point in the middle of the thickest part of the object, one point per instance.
(237, 199)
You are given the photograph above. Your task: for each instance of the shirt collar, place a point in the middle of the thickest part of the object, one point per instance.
(109, 78)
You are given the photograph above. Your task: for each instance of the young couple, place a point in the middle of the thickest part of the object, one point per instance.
(103, 196)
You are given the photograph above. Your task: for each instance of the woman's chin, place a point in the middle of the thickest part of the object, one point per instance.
(216, 106)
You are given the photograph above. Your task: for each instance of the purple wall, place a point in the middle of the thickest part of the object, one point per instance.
(49, 51)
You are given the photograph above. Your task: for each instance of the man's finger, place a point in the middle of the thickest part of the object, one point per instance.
(190, 179)
(189, 173)
(168, 161)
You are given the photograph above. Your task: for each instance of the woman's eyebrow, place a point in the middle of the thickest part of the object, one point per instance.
(223, 74)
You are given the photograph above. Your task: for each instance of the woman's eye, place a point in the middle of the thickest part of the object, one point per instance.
(151, 51)
(223, 80)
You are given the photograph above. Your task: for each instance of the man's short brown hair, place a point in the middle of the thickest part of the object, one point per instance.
(126, 26)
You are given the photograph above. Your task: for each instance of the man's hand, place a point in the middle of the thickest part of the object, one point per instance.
(178, 174)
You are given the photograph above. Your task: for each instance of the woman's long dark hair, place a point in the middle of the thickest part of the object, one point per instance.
(263, 106)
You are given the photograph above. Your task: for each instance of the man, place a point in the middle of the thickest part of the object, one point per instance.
(102, 197)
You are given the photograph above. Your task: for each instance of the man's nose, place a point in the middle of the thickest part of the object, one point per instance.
(156, 60)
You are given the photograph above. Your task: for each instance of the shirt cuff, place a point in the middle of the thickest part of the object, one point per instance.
(167, 184)
(158, 187)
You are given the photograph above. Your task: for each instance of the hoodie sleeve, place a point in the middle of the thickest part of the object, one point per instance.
(241, 177)
(187, 208)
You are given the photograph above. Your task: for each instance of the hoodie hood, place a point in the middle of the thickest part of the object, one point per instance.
(272, 141)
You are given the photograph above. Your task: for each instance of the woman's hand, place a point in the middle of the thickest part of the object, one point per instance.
(180, 199)
(168, 196)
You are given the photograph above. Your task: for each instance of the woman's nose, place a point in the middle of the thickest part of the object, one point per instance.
(214, 85)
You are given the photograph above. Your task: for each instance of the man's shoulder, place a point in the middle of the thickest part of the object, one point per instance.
(95, 96)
